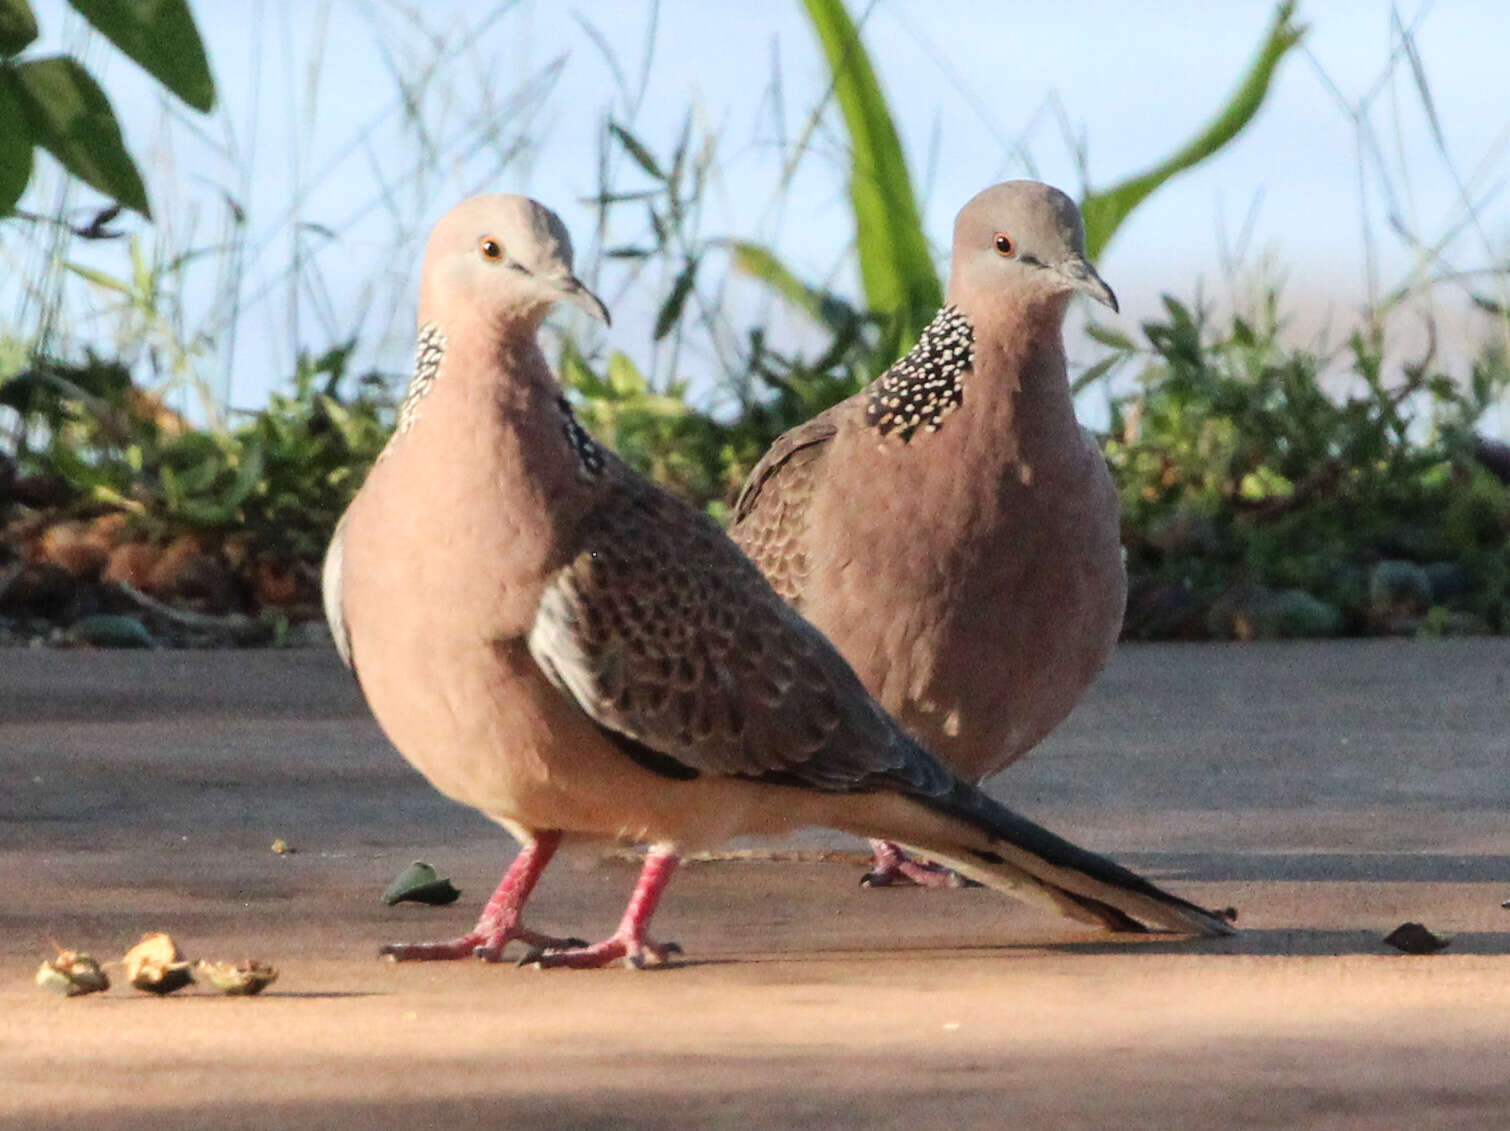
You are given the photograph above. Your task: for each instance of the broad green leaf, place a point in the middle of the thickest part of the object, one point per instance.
(71, 118)
(161, 36)
(635, 149)
(15, 144)
(18, 26)
(1105, 211)
(671, 309)
(895, 266)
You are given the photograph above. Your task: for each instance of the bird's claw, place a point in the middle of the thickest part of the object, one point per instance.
(905, 871)
(641, 954)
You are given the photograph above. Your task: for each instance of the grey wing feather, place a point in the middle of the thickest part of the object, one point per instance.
(666, 635)
(330, 592)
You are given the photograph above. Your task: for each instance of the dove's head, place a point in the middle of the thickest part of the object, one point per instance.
(504, 260)
(1022, 241)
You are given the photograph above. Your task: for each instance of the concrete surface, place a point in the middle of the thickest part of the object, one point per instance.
(1329, 791)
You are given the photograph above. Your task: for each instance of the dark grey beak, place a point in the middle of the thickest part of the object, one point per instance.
(575, 293)
(1082, 277)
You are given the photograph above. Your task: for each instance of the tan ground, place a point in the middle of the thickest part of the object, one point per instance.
(1330, 792)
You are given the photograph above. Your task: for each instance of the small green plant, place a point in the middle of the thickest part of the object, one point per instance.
(281, 476)
(1242, 477)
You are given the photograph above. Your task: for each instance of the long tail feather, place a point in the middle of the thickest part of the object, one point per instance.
(1003, 850)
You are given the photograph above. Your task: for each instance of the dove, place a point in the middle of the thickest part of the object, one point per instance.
(553, 640)
(951, 528)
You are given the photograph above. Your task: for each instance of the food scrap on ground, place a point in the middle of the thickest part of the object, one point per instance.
(156, 966)
(72, 973)
(237, 979)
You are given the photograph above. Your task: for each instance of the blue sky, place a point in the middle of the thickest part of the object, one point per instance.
(311, 132)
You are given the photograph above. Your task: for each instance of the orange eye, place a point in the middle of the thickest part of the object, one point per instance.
(490, 248)
(1004, 244)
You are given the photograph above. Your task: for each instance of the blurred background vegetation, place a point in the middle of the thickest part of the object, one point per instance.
(1268, 490)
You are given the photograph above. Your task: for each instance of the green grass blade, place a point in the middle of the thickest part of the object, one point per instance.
(671, 309)
(1105, 211)
(638, 150)
(895, 266)
(760, 262)
(161, 37)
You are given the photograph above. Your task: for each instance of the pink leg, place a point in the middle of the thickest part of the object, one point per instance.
(499, 924)
(893, 866)
(629, 943)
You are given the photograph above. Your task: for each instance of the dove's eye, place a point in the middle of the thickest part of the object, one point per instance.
(490, 248)
(1004, 244)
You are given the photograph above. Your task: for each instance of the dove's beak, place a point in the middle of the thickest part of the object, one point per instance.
(1081, 276)
(574, 292)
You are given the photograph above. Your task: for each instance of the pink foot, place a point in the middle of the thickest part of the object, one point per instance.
(893, 866)
(499, 924)
(629, 944)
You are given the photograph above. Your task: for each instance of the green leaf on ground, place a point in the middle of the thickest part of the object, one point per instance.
(895, 265)
(15, 145)
(18, 26)
(161, 36)
(1105, 211)
(71, 118)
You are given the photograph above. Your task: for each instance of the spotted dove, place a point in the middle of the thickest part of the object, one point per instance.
(950, 528)
(553, 640)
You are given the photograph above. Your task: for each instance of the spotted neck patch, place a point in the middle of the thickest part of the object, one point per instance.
(584, 447)
(429, 348)
(929, 383)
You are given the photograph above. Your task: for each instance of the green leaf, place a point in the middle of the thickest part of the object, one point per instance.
(671, 309)
(624, 377)
(70, 116)
(100, 279)
(1096, 372)
(1109, 337)
(15, 144)
(1105, 211)
(161, 36)
(18, 26)
(633, 146)
(895, 265)
(248, 475)
(761, 263)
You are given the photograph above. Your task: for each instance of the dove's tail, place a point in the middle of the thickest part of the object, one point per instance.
(987, 842)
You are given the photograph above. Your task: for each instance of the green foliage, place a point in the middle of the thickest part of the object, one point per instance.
(160, 36)
(1105, 211)
(55, 103)
(1238, 467)
(282, 476)
(895, 265)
